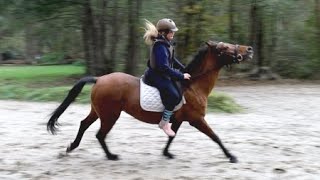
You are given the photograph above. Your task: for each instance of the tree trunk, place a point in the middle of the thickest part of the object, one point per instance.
(260, 42)
(32, 45)
(93, 33)
(133, 44)
(257, 40)
(253, 26)
(231, 20)
(114, 35)
(256, 34)
(317, 15)
(87, 31)
(102, 65)
(186, 47)
(273, 36)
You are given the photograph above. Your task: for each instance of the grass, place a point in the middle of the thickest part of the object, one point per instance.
(56, 94)
(29, 74)
(52, 83)
(40, 83)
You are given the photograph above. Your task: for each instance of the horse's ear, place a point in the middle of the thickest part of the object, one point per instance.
(221, 45)
(210, 43)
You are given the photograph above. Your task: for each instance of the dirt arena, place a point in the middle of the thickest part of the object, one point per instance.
(277, 137)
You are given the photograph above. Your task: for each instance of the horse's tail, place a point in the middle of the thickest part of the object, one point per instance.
(73, 93)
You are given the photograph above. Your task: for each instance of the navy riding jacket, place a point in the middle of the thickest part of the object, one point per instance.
(166, 69)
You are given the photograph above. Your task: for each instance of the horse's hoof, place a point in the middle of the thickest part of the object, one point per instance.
(168, 155)
(113, 157)
(233, 159)
(69, 149)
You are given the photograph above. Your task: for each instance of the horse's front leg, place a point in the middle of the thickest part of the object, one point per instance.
(175, 126)
(202, 126)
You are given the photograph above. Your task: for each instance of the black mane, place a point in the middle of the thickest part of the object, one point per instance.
(197, 59)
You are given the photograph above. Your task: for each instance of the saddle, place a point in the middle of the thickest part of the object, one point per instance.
(150, 99)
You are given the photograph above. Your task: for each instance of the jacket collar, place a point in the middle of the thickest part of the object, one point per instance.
(163, 40)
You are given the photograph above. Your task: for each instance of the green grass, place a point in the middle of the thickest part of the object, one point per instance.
(28, 74)
(52, 83)
(40, 83)
(57, 94)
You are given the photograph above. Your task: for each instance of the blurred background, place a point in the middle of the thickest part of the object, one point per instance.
(106, 35)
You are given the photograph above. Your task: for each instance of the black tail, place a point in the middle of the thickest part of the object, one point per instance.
(73, 93)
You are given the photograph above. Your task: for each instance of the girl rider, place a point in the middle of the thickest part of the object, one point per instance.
(163, 68)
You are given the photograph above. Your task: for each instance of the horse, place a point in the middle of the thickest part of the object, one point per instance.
(116, 92)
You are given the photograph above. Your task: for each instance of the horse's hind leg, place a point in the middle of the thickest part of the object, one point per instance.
(204, 127)
(84, 125)
(108, 119)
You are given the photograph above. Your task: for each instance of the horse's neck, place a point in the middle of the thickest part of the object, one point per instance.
(209, 71)
(205, 84)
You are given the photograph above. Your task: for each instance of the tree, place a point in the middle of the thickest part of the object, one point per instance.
(102, 31)
(115, 34)
(256, 32)
(94, 36)
(134, 7)
(316, 61)
(317, 17)
(191, 33)
(232, 27)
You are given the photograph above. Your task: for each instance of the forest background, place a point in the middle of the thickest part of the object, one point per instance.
(106, 35)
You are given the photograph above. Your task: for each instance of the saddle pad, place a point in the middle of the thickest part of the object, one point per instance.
(150, 99)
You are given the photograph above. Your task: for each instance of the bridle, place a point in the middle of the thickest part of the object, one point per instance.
(235, 55)
(221, 54)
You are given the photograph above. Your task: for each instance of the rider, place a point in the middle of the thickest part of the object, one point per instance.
(163, 68)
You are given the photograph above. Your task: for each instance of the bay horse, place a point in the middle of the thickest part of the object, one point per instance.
(116, 92)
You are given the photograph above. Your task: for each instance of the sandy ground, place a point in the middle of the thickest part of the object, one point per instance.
(278, 137)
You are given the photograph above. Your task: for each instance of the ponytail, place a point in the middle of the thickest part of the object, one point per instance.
(151, 32)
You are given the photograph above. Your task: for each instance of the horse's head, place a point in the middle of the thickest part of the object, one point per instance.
(231, 53)
(216, 55)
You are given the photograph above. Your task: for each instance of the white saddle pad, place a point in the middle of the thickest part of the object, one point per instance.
(150, 99)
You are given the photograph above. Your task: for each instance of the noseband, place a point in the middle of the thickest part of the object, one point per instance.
(234, 55)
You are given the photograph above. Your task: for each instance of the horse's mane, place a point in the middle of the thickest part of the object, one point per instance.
(197, 59)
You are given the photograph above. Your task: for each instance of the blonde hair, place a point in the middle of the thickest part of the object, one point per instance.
(151, 32)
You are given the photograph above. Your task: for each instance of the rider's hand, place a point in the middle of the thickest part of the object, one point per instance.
(186, 76)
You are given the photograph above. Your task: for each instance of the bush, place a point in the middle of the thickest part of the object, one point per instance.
(79, 62)
(219, 102)
(52, 58)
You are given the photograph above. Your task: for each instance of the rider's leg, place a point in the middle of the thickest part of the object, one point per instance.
(170, 98)
(164, 123)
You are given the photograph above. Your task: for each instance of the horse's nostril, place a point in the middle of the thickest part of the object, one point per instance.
(239, 57)
(249, 49)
